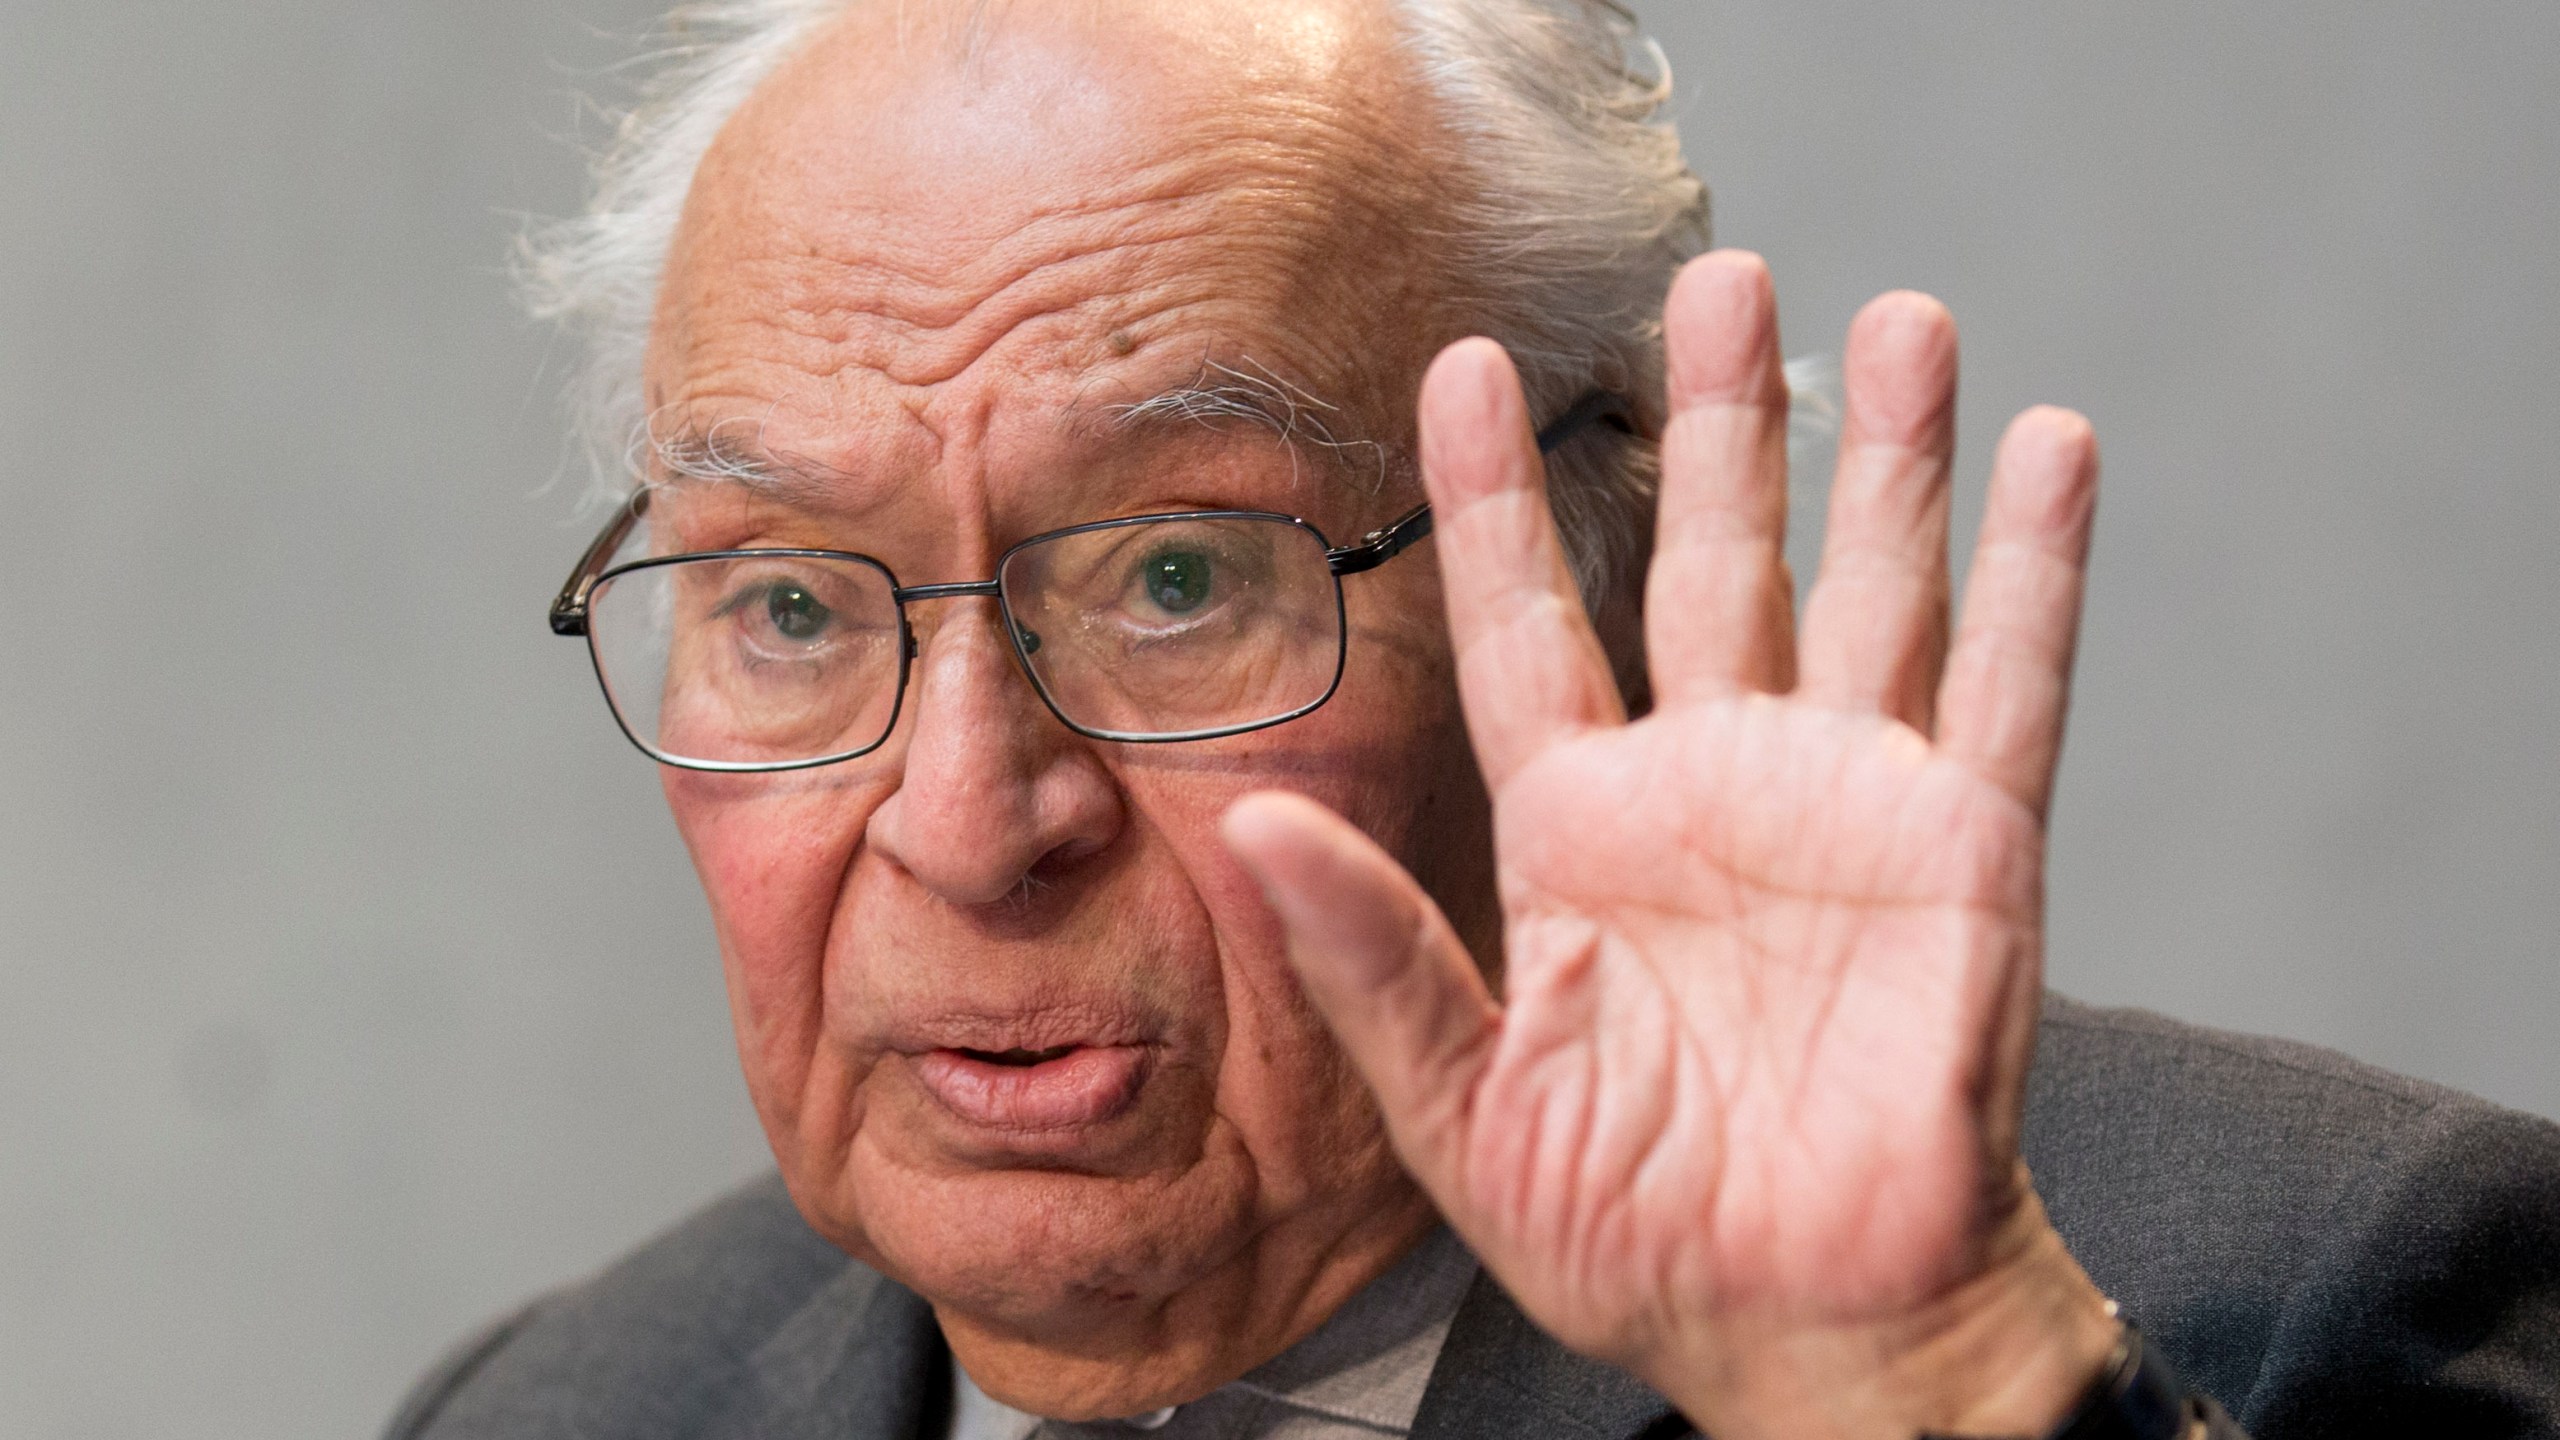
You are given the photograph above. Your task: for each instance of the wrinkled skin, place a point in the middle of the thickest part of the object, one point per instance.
(1746, 1118)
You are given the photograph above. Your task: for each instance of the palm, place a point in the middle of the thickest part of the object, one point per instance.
(1771, 952)
(1757, 953)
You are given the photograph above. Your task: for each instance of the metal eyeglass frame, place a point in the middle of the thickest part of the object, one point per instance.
(568, 614)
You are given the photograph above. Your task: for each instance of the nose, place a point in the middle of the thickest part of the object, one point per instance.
(993, 792)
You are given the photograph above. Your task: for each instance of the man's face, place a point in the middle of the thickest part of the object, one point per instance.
(1019, 1032)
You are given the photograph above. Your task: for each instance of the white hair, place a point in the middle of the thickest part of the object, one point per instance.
(1574, 209)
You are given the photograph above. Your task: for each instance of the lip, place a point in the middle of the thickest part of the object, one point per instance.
(1085, 1086)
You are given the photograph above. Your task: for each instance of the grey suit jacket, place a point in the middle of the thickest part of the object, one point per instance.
(2328, 1250)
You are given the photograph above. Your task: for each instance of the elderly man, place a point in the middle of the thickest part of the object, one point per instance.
(1252, 910)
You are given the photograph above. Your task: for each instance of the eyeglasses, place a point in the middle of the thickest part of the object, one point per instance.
(1146, 629)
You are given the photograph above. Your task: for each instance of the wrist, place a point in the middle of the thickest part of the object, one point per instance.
(2009, 1352)
(2137, 1396)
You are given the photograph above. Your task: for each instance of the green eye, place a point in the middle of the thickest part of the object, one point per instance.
(1177, 580)
(796, 613)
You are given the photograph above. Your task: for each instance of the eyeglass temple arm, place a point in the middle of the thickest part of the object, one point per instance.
(569, 608)
(1382, 545)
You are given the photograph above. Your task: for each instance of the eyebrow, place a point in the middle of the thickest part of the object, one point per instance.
(1246, 391)
(693, 453)
(1250, 392)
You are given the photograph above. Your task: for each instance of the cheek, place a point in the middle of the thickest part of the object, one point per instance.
(1407, 773)
(1283, 1084)
(1289, 1091)
(1420, 793)
(771, 852)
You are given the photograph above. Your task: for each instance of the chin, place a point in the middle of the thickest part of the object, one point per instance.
(1056, 1256)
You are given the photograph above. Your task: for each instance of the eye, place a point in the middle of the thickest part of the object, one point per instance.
(796, 614)
(1178, 581)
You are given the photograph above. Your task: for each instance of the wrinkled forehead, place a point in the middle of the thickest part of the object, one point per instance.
(960, 219)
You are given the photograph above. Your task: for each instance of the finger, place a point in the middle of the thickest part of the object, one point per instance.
(1719, 606)
(2008, 682)
(1529, 667)
(1875, 626)
(1382, 965)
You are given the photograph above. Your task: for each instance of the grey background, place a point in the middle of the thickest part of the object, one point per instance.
(352, 984)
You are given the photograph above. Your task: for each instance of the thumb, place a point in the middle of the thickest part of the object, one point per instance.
(1383, 966)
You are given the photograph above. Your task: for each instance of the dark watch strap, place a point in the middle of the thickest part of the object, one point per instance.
(2136, 1397)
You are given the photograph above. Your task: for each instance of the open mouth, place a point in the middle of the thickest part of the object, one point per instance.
(1020, 1058)
(1023, 1088)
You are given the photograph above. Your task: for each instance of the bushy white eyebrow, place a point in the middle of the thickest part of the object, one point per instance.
(1254, 393)
(720, 455)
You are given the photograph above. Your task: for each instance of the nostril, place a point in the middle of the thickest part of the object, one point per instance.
(1060, 863)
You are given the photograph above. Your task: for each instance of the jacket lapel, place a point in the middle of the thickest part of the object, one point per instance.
(863, 1360)
(1501, 1377)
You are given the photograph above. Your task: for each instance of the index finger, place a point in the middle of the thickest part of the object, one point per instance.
(1530, 670)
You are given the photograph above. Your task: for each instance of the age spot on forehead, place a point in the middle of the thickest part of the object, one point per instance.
(1123, 343)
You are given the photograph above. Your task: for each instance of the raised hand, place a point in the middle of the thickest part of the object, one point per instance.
(1745, 1117)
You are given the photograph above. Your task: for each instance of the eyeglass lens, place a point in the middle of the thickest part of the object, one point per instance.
(752, 659)
(1177, 627)
(1148, 630)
